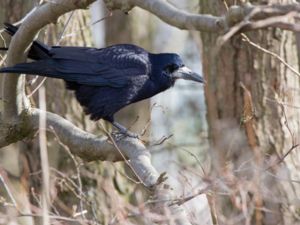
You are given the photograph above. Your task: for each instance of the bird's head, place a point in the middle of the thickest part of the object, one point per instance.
(173, 67)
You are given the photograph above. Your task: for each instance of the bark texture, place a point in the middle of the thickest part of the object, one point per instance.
(13, 162)
(247, 125)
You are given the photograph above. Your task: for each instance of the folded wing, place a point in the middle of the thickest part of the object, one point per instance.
(112, 66)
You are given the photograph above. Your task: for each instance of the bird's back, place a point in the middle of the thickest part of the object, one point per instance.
(126, 67)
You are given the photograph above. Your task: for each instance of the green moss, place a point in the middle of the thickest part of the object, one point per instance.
(18, 130)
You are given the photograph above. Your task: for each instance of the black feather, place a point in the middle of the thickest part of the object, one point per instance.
(37, 51)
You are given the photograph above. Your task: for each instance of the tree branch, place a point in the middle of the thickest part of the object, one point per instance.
(204, 22)
(90, 147)
(171, 15)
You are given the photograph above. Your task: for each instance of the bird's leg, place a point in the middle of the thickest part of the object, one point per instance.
(124, 130)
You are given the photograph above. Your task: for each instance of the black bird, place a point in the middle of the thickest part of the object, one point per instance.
(107, 79)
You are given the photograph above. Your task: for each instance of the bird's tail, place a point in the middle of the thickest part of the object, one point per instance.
(10, 29)
(37, 51)
(27, 68)
(45, 68)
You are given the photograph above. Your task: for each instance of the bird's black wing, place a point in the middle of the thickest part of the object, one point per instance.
(112, 66)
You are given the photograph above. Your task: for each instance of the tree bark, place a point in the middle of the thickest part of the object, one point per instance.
(246, 122)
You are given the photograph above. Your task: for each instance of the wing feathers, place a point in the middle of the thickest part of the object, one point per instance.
(81, 73)
(112, 66)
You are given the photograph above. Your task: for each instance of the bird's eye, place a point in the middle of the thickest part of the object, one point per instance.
(171, 68)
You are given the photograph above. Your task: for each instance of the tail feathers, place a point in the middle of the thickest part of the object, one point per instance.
(10, 29)
(33, 68)
(45, 68)
(37, 51)
(19, 68)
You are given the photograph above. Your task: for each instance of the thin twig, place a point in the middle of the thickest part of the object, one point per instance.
(77, 166)
(245, 38)
(3, 180)
(53, 217)
(64, 28)
(162, 140)
(37, 88)
(282, 103)
(123, 156)
(183, 200)
(294, 144)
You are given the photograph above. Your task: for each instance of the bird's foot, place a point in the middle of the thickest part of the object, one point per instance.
(124, 131)
(126, 134)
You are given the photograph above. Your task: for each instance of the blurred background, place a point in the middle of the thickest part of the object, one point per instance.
(236, 137)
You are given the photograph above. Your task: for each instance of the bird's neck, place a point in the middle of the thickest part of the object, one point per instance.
(162, 81)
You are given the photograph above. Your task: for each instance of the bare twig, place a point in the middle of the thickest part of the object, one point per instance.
(162, 140)
(4, 180)
(294, 144)
(77, 166)
(245, 38)
(283, 103)
(185, 199)
(53, 217)
(124, 157)
(285, 22)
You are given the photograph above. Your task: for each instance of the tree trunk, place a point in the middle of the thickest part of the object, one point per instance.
(247, 125)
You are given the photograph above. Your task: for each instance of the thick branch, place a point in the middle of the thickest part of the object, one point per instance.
(204, 22)
(171, 15)
(90, 147)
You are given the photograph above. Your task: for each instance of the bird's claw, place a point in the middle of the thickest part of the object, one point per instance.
(133, 135)
(126, 133)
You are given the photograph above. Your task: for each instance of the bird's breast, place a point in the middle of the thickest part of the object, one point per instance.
(147, 89)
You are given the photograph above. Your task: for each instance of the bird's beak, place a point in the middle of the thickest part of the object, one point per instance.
(187, 74)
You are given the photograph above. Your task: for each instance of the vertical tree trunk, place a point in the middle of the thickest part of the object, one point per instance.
(247, 126)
